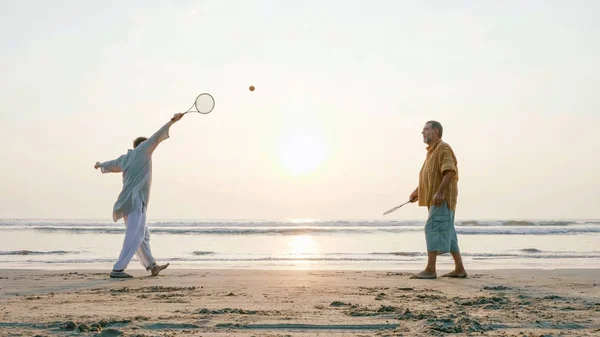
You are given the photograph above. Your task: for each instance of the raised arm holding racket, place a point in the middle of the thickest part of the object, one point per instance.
(132, 203)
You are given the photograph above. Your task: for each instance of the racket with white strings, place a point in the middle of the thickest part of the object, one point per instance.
(204, 104)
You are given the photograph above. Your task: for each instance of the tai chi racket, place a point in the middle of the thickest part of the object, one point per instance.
(395, 208)
(204, 104)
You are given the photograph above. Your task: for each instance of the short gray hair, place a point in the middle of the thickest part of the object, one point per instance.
(437, 126)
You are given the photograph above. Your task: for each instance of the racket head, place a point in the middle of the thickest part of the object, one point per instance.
(204, 103)
(395, 208)
(391, 210)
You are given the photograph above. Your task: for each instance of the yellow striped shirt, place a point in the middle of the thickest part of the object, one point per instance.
(440, 158)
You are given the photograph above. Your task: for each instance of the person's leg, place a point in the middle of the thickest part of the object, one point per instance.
(134, 235)
(459, 269)
(438, 236)
(429, 272)
(432, 239)
(144, 253)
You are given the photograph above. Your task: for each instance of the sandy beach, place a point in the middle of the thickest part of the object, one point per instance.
(299, 303)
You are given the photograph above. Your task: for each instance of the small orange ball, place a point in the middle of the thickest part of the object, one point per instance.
(251, 88)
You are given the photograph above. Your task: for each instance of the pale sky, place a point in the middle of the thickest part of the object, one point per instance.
(332, 131)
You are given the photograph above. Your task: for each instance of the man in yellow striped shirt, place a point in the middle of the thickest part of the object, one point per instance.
(438, 191)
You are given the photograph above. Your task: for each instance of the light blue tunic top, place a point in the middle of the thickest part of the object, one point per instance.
(136, 166)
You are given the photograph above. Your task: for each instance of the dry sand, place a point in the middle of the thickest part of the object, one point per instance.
(299, 303)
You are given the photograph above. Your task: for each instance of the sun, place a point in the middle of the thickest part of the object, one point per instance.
(302, 154)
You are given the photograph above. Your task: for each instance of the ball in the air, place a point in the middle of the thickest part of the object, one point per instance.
(251, 88)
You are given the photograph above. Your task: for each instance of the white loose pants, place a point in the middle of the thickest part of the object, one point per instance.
(137, 239)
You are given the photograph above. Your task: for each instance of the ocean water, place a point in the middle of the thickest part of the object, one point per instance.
(300, 244)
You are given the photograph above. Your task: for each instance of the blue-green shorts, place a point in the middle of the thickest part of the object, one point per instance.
(439, 230)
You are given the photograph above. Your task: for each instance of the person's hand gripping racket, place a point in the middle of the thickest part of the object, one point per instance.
(177, 117)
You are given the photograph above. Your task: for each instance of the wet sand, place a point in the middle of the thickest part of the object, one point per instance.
(299, 303)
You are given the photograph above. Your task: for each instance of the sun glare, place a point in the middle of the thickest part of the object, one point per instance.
(302, 244)
(302, 154)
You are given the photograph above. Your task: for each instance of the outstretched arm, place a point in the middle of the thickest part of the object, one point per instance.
(115, 165)
(151, 143)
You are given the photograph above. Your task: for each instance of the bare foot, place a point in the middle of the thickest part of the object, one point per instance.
(424, 275)
(156, 269)
(456, 274)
